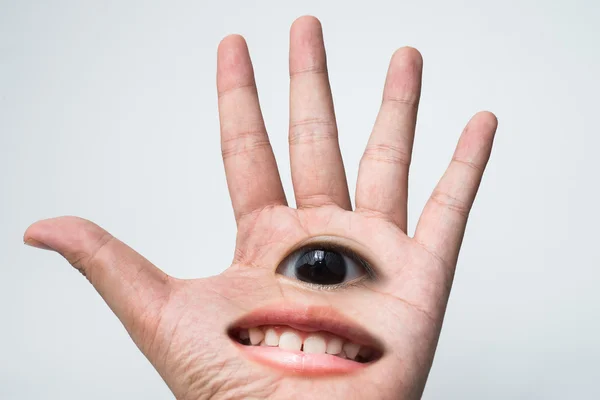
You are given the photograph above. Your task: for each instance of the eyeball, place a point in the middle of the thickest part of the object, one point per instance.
(323, 266)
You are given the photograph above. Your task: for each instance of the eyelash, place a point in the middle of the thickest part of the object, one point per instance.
(349, 253)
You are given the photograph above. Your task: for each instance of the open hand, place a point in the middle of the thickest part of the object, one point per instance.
(320, 301)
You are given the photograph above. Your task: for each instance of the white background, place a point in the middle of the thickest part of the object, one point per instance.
(108, 111)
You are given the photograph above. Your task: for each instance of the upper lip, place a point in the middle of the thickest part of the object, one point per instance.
(309, 319)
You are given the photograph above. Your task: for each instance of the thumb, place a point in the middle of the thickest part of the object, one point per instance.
(132, 287)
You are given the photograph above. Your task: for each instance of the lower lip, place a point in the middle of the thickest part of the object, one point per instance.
(299, 362)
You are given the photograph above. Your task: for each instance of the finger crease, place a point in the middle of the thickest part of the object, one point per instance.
(387, 153)
(412, 102)
(469, 164)
(314, 200)
(248, 133)
(234, 89)
(433, 254)
(452, 203)
(85, 258)
(257, 211)
(372, 213)
(310, 121)
(314, 69)
(244, 148)
(312, 131)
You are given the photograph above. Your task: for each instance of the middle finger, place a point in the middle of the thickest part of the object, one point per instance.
(317, 168)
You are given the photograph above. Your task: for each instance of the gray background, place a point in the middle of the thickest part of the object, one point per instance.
(108, 111)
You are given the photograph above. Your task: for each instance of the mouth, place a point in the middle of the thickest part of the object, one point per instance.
(306, 340)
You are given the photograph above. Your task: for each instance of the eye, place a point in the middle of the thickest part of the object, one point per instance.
(324, 266)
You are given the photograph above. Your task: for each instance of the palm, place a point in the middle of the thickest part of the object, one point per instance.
(184, 321)
(181, 326)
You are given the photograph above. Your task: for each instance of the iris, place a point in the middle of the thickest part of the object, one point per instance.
(321, 267)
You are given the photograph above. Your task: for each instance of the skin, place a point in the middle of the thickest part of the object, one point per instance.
(180, 325)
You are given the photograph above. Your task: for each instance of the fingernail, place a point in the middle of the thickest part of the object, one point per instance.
(36, 244)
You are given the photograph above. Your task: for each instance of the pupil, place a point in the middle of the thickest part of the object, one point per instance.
(321, 266)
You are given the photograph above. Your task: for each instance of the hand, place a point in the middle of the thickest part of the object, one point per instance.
(353, 275)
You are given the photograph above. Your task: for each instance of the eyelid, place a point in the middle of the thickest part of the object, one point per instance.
(338, 286)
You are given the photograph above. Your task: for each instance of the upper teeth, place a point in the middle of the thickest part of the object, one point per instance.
(315, 343)
(271, 337)
(256, 336)
(351, 350)
(289, 340)
(334, 346)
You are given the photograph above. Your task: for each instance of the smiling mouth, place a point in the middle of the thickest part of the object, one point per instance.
(305, 340)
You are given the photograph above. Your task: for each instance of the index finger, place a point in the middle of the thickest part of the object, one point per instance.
(250, 166)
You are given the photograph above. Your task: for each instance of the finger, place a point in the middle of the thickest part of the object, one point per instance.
(250, 166)
(131, 286)
(382, 187)
(317, 169)
(442, 224)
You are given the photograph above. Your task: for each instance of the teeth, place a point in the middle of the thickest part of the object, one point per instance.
(256, 336)
(271, 337)
(351, 350)
(334, 346)
(314, 344)
(290, 341)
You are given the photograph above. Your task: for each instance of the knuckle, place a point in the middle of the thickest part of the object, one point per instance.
(243, 142)
(84, 260)
(451, 203)
(312, 130)
(388, 216)
(312, 200)
(316, 69)
(409, 100)
(387, 153)
(253, 214)
(236, 88)
(469, 164)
